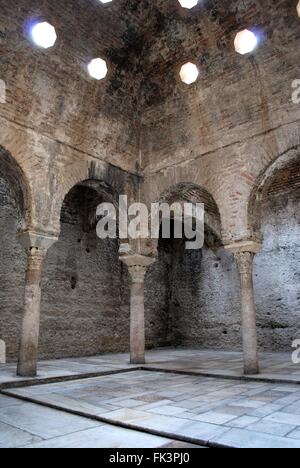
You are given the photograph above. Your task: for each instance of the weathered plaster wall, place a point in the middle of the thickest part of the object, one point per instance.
(12, 271)
(202, 304)
(157, 302)
(85, 288)
(85, 305)
(219, 134)
(277, 272)
(202, 307)
(205, 303)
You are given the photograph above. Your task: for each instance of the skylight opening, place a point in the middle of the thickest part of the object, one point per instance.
(245, 42)
(189, 73)
(97, 69)
(43, 35)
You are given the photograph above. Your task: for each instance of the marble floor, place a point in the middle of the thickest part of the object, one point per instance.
(199, 410)
(274, 366)
(27, 425)
(181, 396)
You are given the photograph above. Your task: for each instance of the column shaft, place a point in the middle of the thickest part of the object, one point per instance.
(245, 264)
(28, 352)
(137, 266)
(137, 324)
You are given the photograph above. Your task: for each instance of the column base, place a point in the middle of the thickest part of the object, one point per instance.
(136, 361)
(26, 370)
(253, 370)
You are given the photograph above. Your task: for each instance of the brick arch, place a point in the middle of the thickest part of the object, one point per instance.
(184, 192)
(252, 161)
(100, 190)
(108, 192)
(199, 173)
(272, 178)
(12, 172)
(110, 181)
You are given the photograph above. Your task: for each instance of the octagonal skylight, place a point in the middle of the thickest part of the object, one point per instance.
(245, 42)
(43, 35)
(188, 3)
(189, 73)
(97, 69)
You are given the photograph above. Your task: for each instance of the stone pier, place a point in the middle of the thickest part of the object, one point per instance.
(36, 246)
(244, 253)
(137, 267)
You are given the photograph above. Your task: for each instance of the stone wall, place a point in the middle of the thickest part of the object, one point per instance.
(12, 272)
(85, 305)
(85, 288)
(50, 91)
(60, 125)
(223, 131)
(220, 134)
(157, 302)
(205, 301)
(202, 306)
(277, 273)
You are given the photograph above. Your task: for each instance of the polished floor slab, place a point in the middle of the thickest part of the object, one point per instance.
(27, 425)
(274, 366)
(201, 410)
(63, 369)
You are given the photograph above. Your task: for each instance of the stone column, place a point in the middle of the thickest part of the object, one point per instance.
(2, 352)
(36, 246)
(137, 266)
(244, 253)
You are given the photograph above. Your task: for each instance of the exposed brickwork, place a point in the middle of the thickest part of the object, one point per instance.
(217, 133)
(231, 140)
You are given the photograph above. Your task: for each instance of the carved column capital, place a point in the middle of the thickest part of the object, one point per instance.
(137, 266)
(244, 246)
(137, 273)
(244, 252)
(244, 261)
(35, 243)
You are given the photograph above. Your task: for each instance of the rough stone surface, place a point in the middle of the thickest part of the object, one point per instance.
(2, 352)
(231, 140)
(85, 288)
(224, 131)
(277, 272)
(199, 297)
(12, 273)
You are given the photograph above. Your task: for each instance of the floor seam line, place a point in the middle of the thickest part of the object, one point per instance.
(243, 378)
(23, 430)
(62, 379)
(200, 442)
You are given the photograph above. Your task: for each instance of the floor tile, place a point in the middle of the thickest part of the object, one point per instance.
(104, 437)
(242, 438)
(11, 437)
(271, 427)
(43, 422)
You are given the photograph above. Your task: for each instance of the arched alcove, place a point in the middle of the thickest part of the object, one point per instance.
(85, 305)
(199, 289)
(275, 210)
(14, 211)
